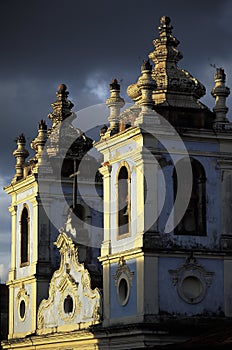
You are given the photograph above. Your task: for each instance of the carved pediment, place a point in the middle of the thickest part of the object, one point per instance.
(72, 304)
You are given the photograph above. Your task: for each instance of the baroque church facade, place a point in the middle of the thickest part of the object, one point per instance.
(152, 264)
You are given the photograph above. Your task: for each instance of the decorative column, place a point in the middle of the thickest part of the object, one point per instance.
(20, 155)
(115, 102)
(147, 117)
(226, 230)
(220, 92)
(105, 170)
(226, 204)
(13, 211)
(39, 142)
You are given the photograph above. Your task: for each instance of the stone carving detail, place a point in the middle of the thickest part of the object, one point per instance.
(72, 304)
(22, 300)
(172, 86)
(123, 281)
(191, 280)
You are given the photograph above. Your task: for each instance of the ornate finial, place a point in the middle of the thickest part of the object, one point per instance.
(62, 106)
(146, 65)
(62, 88)
(39, 142)
(175, 88)
(166, 29)
(172, 82)
(220, 92)
(220, 75)
(115, 102)
(21, 139)
(42, 125)
(165, 20)
(146, 85)
(20, 155)
(115, 85)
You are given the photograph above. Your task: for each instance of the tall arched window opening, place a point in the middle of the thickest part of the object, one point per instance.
(123, 201)
(24, 236)
(194, 220)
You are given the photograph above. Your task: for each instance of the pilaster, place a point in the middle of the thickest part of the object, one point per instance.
(13, 211)
(226, 203)
(106, 172)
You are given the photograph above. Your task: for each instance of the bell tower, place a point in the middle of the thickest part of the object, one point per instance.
(163, 246)
(130, 209)
(42, 197)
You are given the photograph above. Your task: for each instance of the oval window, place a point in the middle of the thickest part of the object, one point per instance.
(123, 291)
(22, 309)
(68, 305)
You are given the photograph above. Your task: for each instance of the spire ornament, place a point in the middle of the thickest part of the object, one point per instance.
(146, 85)
(175, 87)
(115, 102)
(166, 44)
(220, 92)
(61, 107)
(20, 155)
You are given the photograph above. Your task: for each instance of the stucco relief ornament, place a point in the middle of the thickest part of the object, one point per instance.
(191, 280)
(22, 302)
(123, 281)
(72, 304)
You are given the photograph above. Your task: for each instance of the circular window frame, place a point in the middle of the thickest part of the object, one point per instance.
(192, 300)
(124, 301)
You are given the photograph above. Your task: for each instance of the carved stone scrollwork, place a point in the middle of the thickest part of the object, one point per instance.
(71, 300)
(191, 281)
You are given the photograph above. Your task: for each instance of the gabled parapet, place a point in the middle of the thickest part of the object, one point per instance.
(72, 304)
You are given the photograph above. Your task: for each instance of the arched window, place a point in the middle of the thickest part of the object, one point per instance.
(24, 236)
(194, 220)
(123, 201)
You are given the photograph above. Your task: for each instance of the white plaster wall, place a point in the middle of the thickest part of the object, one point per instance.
(25, 325)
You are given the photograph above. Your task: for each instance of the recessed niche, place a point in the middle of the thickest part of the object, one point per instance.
(68, 304)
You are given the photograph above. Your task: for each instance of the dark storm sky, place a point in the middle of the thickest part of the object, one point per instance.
(85, 44)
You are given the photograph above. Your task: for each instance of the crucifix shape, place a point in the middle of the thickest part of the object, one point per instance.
(74, 176)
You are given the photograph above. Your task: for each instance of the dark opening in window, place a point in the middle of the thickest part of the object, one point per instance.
(68, 304)
(24, 236)
(22, 309)
(194, 220)
(123, 201)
